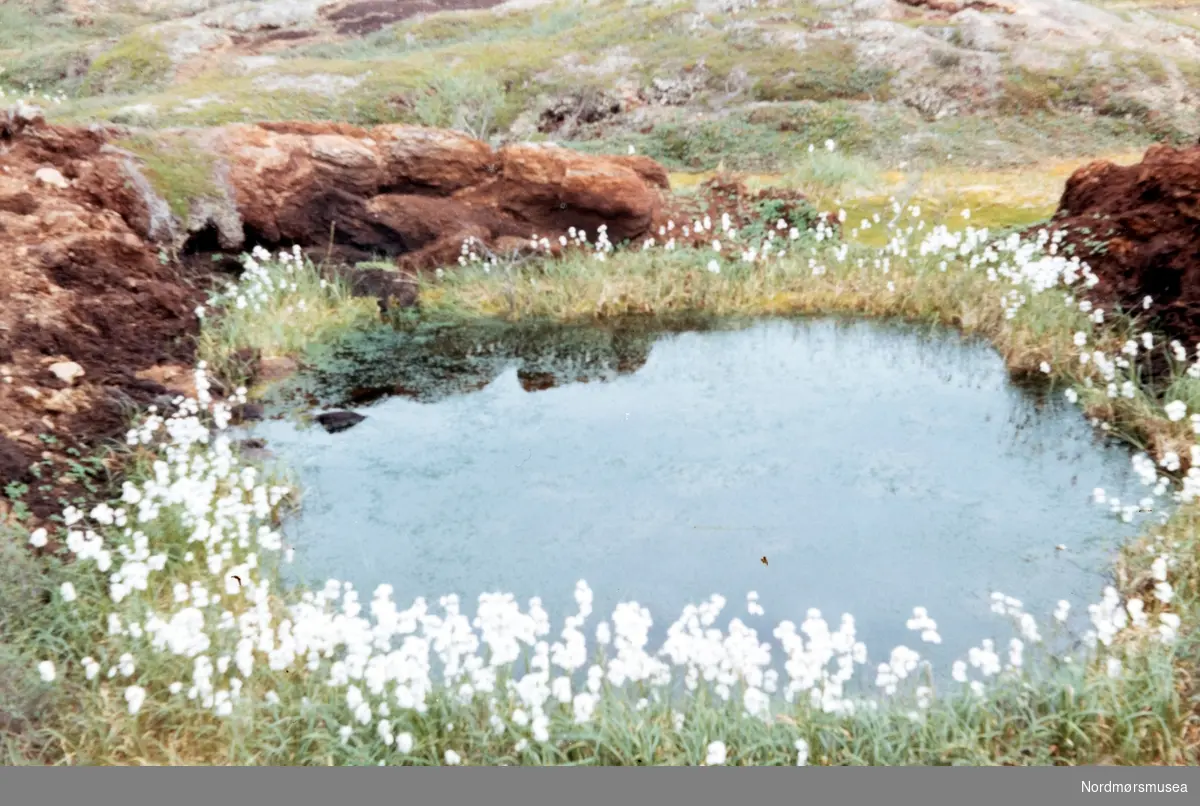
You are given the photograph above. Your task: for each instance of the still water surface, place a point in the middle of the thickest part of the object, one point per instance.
(876, 467)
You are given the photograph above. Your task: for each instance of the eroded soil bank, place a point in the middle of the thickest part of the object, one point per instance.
(1138, 227)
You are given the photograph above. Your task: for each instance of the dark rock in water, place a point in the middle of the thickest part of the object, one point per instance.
(263, 455)
(254, 450)
(536, 381)
(247, 412)
(362, 394)
(335, 421)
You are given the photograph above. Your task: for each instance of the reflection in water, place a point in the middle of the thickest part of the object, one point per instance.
(432, 363)
(876, 467)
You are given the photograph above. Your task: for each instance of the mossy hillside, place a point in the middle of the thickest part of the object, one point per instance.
(520, 53)
(501, 65)
(43, 47)
(137, 62)
(1107, 90)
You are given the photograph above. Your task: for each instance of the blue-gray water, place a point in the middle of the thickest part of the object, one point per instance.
(875, 467)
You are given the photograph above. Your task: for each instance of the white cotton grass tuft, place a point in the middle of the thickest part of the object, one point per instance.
(135, 696)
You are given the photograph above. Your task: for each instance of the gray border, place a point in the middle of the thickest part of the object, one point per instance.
(1002, 786)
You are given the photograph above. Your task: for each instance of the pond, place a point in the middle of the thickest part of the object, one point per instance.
(854, 467)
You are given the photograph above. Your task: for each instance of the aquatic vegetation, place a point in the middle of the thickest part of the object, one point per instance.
(174, 629)
(277, 309)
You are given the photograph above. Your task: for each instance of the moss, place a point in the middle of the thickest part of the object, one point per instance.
(1078, 84)
(178, 170)
(136, 62)
(1025, 90)
(60, 66)
(1190, 70)
(1150, 66)
(42, 45)
(32, 24)
(684, 144)
(824, 71)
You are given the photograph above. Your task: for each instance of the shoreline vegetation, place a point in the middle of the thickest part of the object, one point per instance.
(164, 638)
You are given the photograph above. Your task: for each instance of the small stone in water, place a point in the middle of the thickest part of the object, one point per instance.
(248, 411)
(335, 421)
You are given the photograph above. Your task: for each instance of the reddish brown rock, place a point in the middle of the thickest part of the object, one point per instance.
(418, 193)
(175, 379)
(1138, 228)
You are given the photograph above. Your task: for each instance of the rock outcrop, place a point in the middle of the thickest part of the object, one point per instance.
(402, 191)
(1138, 227)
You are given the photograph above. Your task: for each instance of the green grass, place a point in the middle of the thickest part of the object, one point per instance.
(314, 311)
(1071, 716)
(821, 173)
(178, 170)
(136, 63)
(35, 23)
(472, 103)
(1077, 85)
(518, 51)
(40, 44)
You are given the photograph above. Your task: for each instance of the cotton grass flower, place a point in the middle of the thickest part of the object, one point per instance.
(1176, 410)
(922, 623)
(47, 672)
(715, 754)
(135, 696)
